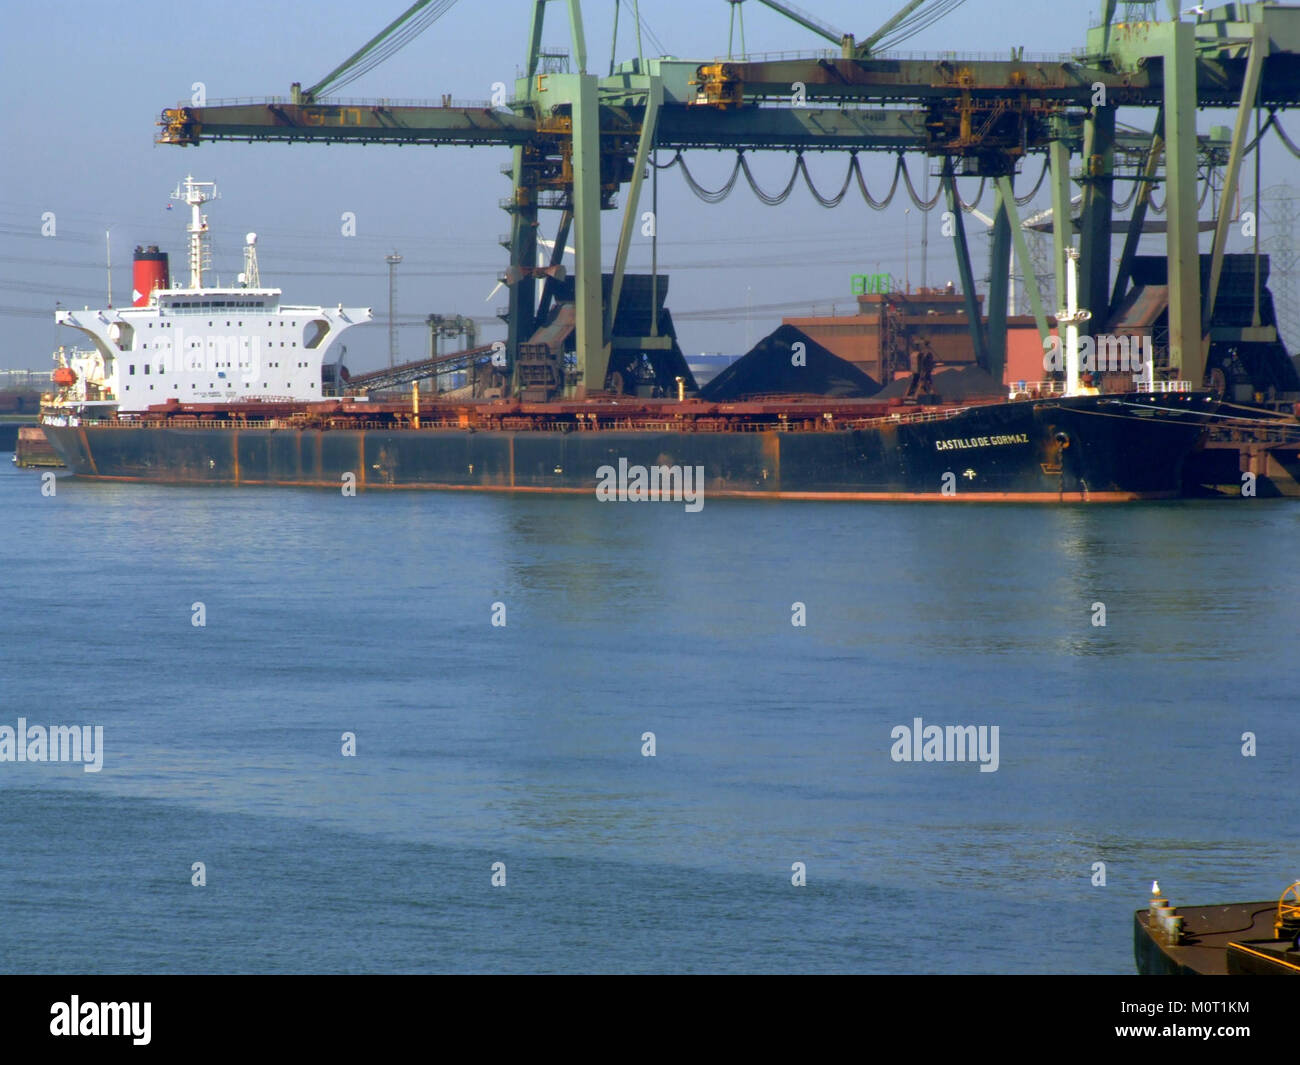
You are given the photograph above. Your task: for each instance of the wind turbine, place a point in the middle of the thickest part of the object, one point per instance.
(1025, 224)
(542, 242)
(1011, 262)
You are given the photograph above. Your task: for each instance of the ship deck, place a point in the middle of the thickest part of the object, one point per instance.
(763, 414)
(1212, 935)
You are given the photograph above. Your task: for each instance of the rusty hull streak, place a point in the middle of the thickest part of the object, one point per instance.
(772, 454)
(85, 446)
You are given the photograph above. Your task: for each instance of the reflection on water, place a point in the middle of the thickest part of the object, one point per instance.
(523, 743)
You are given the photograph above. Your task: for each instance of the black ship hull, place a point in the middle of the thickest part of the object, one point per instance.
(1090, 448)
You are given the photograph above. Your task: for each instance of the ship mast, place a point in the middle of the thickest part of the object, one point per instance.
(1072, 316)
(196, 194)
(251, 277)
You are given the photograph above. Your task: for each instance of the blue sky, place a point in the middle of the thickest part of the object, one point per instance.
(85, 83)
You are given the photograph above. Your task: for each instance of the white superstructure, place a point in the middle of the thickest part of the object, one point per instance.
(208, 345)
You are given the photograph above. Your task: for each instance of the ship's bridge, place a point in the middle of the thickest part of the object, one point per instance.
(189, 301)
(216, 344)
(204, 344)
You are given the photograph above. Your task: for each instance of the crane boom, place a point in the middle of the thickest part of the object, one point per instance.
(806, 20)
(308, 95)
(870, 42)
(845, 40)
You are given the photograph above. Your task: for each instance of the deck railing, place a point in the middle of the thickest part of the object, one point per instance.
(1036, 389)
(366, 102)
(912, 417)
(524, 424)
(1052, 58)
(1047, 389)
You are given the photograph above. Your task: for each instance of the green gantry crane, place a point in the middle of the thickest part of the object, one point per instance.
(577, 139)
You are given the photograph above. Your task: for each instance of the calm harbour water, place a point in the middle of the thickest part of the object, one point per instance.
(522, 744)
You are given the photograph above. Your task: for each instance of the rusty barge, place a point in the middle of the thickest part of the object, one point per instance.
(1236, 939)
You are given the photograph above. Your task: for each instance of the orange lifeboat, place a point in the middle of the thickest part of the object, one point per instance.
(64, 376)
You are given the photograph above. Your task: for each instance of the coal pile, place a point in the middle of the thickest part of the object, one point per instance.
(953, 386)
(769, 369)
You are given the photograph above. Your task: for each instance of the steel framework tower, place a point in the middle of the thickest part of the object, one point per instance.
(392, 261)
(1277, 215)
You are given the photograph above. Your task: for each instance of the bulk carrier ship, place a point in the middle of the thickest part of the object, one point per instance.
(211, 385)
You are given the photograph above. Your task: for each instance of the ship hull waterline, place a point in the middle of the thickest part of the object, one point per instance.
(1083, 449)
